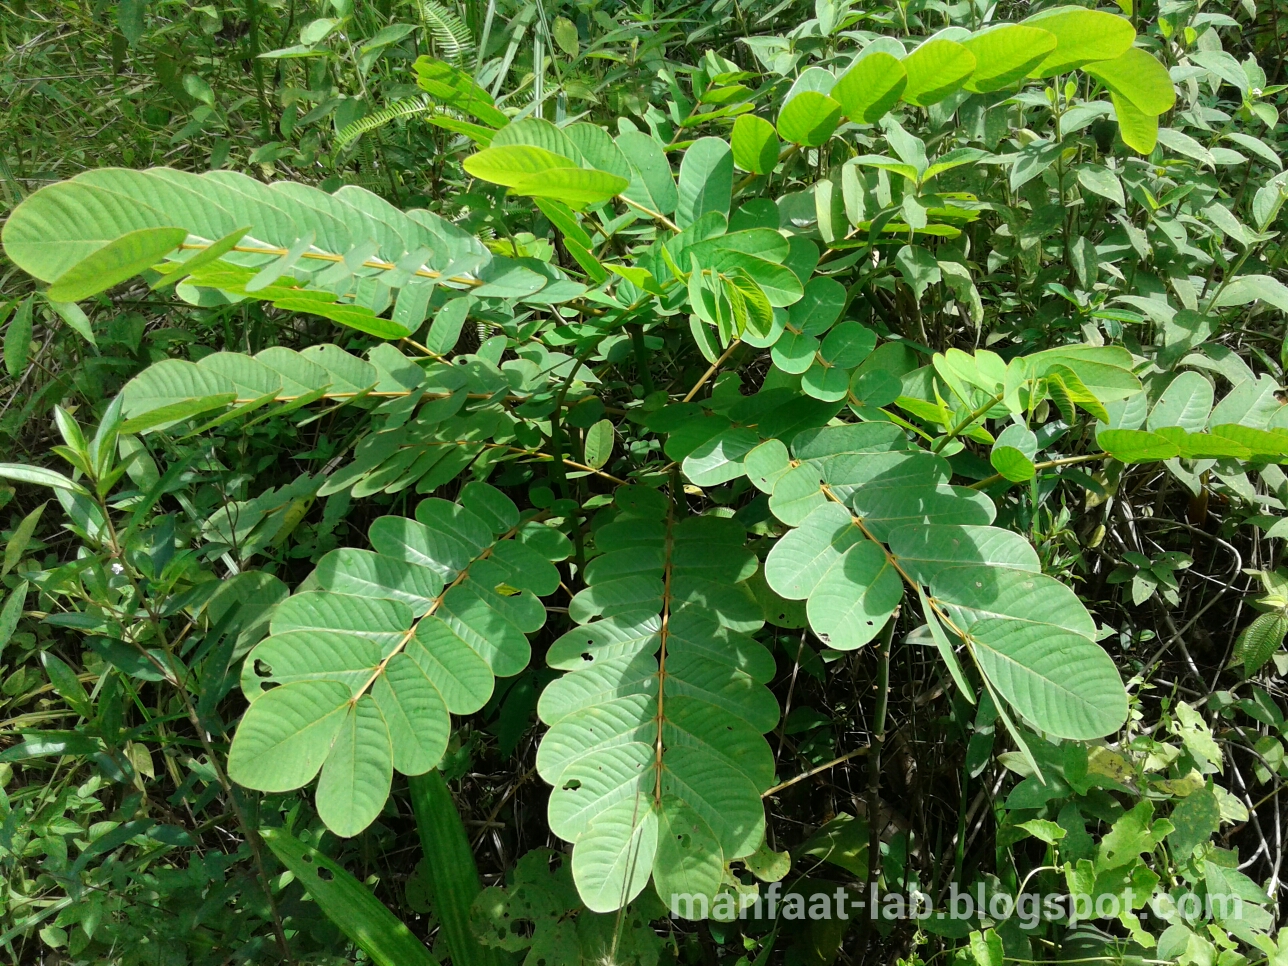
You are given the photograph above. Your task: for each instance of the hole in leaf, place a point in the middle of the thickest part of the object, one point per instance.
(571, 785)
(325, 874)
(524, 928)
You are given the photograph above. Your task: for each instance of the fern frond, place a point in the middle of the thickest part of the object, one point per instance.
(453, 41)
(407, 107)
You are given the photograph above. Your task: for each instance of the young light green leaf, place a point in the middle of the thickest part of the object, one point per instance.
(870, 87)
(1082, 36)
(755, 145)
(575, 187)
(936, 69)
(1005, 53)
(808, 119)
(1139, 78)
(512, 164)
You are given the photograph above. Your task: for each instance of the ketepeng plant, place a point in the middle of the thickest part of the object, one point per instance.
(865, 464)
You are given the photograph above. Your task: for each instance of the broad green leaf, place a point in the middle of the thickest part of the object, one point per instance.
(976, 593)
(819, 307)
(314, 655)
(1013, 452)
(415, 715)
(1005, 53)
(348, 904)
(870, 87)
(363, 573)
(355, 779)
(808, 119)
(851, 603)
(687, 860)
(1245, 288)
(1082, 37)
(513, 164)
(1136, 445)
(706, 181)
(804, 556)
(613, 858)
(884, 508)
(1139, 78)
(755, 145)
(1139, 131)
(1062, 682)
(599, 443)
(652, 183)
(120, 259)
(1103, 182)
(720, 459)
(575, 187)
(936, 69)
(1186, 402)
(286, 735)
(923, 551)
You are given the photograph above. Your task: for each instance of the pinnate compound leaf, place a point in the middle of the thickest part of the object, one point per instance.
(1259, 640)
(366, 662)
(624, 749)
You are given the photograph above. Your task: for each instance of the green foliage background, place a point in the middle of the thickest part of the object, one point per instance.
(476, 471)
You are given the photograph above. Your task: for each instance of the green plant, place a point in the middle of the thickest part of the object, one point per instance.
(852, 356)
